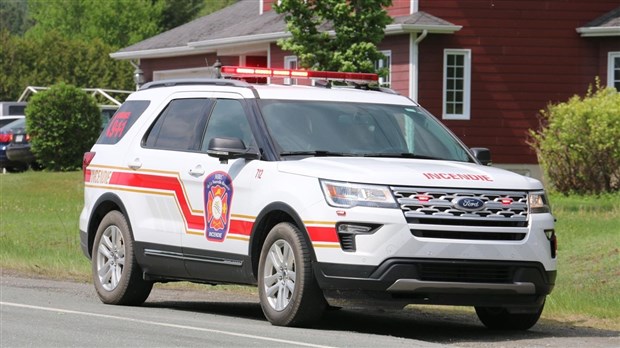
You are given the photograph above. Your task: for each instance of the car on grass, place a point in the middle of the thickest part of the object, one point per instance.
(320, 196)
(18, 150)
(6, 137)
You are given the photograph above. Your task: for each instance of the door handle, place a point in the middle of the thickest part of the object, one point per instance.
(135, 164)
(197, 171)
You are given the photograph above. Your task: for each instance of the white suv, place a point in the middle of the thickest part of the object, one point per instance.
(320, 196)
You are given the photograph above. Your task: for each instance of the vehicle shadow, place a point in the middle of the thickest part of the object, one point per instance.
(431, 324)
(452, 326)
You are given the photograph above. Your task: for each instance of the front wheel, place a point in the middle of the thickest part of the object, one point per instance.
(289, 294)
(499, 318)
(116, 274)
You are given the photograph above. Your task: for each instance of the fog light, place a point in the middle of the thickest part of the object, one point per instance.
(353, 229)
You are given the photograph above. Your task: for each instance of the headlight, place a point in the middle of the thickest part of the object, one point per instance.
(538, 203)
(348, 195)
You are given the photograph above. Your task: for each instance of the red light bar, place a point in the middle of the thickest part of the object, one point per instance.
(238, 71)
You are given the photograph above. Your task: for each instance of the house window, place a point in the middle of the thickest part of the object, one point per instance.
(290, 62)
(613, 70)
(456, 84)
(386, 63)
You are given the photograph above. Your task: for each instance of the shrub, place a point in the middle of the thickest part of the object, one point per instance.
(578, 144)
(63, 122)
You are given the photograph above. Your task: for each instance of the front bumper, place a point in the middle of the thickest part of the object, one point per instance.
(401, 281)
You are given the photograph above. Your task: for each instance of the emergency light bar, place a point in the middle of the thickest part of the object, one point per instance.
(238, 71)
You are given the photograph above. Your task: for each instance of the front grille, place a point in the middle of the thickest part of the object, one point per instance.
(501, 208)
(471, 273)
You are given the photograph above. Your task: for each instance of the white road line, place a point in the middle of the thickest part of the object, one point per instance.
(148, 322)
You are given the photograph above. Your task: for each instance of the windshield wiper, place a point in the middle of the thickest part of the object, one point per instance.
(316, 153)
(401, 155)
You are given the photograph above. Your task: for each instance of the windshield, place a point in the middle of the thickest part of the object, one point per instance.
(319, 128)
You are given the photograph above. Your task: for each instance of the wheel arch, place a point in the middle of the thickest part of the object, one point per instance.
(105, 204)
(270, 216)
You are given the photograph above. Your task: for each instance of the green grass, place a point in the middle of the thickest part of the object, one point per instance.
(588, 230)
(39, 235)
(39, 230)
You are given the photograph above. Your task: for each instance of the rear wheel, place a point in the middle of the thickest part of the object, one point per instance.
(288, 291)
(17, 168)
(499, 318)
(116, 274)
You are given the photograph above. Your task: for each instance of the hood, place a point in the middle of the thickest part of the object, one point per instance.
(409, 172)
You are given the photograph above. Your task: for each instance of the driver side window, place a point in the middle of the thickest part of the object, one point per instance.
(228, 120)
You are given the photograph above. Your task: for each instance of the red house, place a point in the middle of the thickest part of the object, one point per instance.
(485, 68)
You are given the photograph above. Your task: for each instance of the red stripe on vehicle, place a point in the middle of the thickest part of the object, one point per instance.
(158, 182)
(241, 227)
(322, 234)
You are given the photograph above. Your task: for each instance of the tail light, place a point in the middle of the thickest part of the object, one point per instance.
(6, 137)
(88, 157)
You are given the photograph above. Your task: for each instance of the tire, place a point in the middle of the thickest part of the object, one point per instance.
(499, 318)
(289, 294)
(17, 169)
(116, 274)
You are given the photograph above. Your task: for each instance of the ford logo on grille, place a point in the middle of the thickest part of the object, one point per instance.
(468, 203)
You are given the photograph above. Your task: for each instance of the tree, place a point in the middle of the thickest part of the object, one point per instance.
(175, 12)
(117, 23)
(71, 40)
(52, 58)
(14, 14)
(211, 6)
(358, 25)
(63, 122)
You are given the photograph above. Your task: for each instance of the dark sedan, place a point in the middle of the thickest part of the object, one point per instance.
(18, 150)
(6, 136)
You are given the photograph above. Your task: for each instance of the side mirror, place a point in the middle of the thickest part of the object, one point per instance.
(482, 154)
(229, 148)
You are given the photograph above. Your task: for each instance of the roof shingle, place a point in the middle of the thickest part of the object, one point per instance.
(241, 20)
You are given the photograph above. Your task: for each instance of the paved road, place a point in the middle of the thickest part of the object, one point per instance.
(45, 313)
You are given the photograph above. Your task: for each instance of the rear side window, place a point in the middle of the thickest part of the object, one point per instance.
(180, 125)
(122, 121)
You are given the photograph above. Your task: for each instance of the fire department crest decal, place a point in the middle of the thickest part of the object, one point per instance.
(218, 195)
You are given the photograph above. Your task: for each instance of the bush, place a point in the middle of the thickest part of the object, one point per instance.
(578, 144)
(63, 122)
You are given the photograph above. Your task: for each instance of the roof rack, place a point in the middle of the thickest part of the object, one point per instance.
(189, 82)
